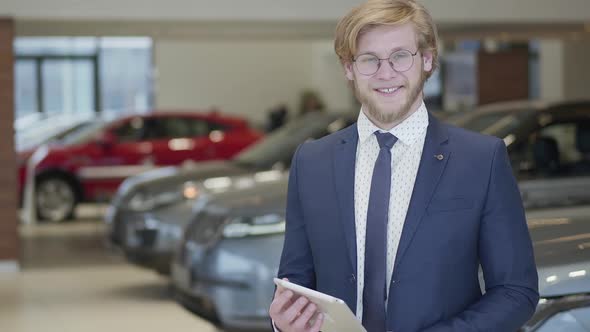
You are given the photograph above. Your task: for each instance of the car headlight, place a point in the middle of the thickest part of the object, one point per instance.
(252, 226)
(145, 201)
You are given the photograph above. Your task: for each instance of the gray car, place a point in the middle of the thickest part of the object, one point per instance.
(224, 267)
(149, 212)
(561, 240)
(225, 235)
(548, 145)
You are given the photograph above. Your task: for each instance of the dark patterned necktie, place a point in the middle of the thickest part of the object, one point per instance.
(375, 288)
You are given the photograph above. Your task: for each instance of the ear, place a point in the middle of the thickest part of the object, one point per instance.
(427, 58)
(349, 70)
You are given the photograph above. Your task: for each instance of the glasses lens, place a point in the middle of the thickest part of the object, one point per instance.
(367, 64)
(401, 60)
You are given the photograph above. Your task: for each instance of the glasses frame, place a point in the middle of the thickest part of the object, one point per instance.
(388, 60)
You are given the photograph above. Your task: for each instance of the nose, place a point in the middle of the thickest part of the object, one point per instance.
(385, 71)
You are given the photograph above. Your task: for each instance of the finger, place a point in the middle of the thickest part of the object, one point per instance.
(280, 303)
(295, 309)
(318, 323)
(303, 321)
(280, 288)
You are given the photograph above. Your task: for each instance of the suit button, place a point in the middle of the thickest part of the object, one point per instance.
(352, 279)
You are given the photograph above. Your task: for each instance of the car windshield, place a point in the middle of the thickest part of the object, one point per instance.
(83, 134)
(72, 130)
(280, 145)
(497, 123)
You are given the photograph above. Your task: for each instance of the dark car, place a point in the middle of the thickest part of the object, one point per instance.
(147, 216)
(90, 165)
(549, 147)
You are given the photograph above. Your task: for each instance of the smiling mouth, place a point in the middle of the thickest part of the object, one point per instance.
(388, 91)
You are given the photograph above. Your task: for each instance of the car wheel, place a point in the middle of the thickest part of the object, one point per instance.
(55, 199)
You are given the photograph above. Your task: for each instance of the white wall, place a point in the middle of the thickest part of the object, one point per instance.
(577, 69)
(565, 69)
(551, 69)
(328, 77)
(247, 78)
(458, 11)
(239, 77)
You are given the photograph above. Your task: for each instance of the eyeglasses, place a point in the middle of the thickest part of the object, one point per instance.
(400, 61)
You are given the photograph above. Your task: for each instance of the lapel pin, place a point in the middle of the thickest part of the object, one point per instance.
(439, 156)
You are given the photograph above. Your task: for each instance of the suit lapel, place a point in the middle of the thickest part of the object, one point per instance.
(344, 168)
(435, 156)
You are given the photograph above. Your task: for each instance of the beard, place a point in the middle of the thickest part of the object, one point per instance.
(393, 114)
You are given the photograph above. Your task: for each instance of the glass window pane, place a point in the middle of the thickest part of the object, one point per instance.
(125, 73)
(130, 131)
(25, 88)
(68, 86)
(55, 45)
(200, 128)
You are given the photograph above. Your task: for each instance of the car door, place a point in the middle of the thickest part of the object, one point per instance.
(554, 168)
(120, 151)
(178, 139)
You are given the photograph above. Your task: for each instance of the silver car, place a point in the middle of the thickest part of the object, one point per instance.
(149, 212)
(561, 240)
(224, 267)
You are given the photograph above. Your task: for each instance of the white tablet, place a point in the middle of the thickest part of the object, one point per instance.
(337, 315)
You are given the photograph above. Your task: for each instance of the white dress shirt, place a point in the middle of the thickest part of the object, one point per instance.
(405, 159)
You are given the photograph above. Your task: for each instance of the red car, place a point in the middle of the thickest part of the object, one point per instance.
(89, 164)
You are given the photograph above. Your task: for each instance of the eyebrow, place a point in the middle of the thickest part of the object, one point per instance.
(395, 49)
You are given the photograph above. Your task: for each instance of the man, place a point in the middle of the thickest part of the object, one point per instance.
(395, 214)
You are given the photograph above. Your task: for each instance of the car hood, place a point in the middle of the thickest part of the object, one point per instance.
(262, 197)
(561, 241)
(173, 176)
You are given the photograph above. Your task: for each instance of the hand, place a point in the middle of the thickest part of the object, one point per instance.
(292, 313)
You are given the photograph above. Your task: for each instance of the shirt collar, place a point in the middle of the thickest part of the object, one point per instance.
(408, 132)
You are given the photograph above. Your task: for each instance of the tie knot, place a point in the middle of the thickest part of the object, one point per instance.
(386, 140)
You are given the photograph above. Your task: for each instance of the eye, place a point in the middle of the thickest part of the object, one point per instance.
(399, 56)
(368, 59)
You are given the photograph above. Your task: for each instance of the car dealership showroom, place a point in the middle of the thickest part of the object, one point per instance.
(145, 149)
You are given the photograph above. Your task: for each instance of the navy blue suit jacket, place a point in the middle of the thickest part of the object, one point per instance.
(465, 211)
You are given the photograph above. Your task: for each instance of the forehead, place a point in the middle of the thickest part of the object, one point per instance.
(387, 38)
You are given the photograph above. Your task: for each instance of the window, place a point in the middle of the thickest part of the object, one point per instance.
(126, 74)
(68, 85)
(560, 149)
(179, 127)
(72, 75)
(25, 88)
(131, 131)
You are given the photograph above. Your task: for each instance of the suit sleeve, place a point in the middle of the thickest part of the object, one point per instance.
(506, 257)
(296, 260)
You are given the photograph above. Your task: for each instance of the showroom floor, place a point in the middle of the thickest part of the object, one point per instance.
(71, 282)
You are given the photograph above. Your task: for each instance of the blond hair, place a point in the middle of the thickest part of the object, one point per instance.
(386, 12)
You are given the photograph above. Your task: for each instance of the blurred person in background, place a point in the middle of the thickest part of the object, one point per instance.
(310, 101)
(277, 117)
